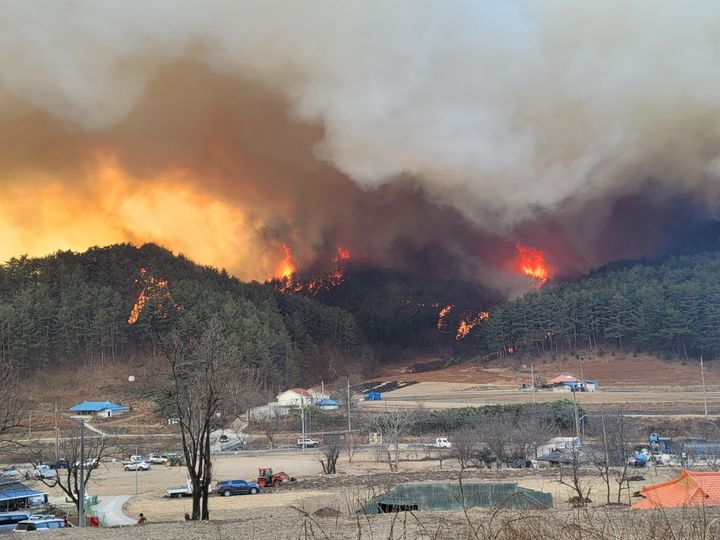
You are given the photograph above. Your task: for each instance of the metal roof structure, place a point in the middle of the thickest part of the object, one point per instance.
(96, 406)
(16, 490)
(689, 489)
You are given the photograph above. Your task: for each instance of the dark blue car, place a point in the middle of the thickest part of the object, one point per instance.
(236, 487)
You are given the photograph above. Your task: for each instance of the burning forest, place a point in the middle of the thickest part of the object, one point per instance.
(263, 164)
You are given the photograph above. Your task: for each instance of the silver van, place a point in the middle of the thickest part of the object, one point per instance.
(39, 523)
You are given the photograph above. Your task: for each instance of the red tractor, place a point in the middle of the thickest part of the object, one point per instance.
(266, 478)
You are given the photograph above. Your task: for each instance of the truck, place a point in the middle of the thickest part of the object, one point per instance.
(178, 492)
(442, 442)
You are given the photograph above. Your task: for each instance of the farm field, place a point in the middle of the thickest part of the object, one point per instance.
(638, 384)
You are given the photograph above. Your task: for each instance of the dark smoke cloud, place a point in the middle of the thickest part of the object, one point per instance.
(426, 136)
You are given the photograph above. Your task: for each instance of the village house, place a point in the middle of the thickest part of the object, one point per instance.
(102, 409)
(295, 397)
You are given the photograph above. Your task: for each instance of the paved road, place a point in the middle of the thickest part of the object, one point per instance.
(110, 511)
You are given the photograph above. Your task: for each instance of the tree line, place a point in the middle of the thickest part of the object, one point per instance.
(74, 308)
(670, 307)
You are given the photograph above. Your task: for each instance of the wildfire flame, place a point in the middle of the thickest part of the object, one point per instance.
(444, 312)
(468, 324)
(531, 262)
(334, 277)
(287, 267)
(152, 288)
(468, 321)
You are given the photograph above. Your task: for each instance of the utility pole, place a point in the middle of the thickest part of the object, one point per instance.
(702, 375)
(57, 441)
(81, 495)
(302, 421)
(605, 450)
(577, 420)
(348, 404)
(136, 471)
(532, 382)
(30, 426)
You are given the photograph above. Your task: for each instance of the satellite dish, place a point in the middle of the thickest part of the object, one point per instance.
(131, 378)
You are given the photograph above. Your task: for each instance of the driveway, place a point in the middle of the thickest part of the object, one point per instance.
(110, 511)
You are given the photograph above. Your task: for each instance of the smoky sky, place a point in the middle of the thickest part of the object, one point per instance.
(426, 136)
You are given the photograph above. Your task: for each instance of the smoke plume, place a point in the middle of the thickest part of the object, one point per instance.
(424, 135)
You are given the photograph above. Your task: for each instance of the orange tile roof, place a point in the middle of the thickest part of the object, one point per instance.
(688, 489)
(563, 378)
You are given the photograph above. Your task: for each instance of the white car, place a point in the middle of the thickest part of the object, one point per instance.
(156, 458)
(45, 472)
(141, 466)
(40, 523)
(308, 442)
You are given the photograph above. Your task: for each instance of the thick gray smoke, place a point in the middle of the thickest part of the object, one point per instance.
(530, 118)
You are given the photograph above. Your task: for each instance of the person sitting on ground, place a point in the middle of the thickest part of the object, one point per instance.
(142, 520)
(187, 516)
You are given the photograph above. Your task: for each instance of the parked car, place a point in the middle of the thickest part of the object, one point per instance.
(60, 464)
(45, 471)
(10, 473)
(141, 466)
(156, 458)
(135, 459)
(88, 464)
(236, 487)
(442, 442)
(68, 499)
(224, 438)
(308, 442)
(8, 520)
(39, 523)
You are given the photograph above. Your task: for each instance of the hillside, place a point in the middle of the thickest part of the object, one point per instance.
(115, 305)
(669, 307)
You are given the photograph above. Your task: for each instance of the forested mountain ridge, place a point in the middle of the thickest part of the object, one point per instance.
(669, 307)
(78, 307)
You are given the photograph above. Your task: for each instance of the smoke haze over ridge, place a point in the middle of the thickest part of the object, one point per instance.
(419, 133)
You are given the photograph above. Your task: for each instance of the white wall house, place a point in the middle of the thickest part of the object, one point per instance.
(294, 398)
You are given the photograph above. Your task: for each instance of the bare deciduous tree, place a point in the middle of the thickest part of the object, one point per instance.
(269, 422)
(533, 426)
(331, 453)
(81, 457)
(14, 408)
(351, 445)
(465, 444)
(497, 434)
(393, 425)
(200, 369)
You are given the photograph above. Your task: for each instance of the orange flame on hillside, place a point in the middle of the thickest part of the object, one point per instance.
(468, 324)
(444, 312)
(343, 254)
(153, 288)
(467, 321)
(334, 277)
(531, 262)
(286, 268)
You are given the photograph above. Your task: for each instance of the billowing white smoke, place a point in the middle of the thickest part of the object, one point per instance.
(499, 107)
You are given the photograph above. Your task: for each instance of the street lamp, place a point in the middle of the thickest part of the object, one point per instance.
(81, 494)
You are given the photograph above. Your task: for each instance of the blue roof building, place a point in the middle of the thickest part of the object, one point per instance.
(328, 404)
(105, 409)
(16, 496)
